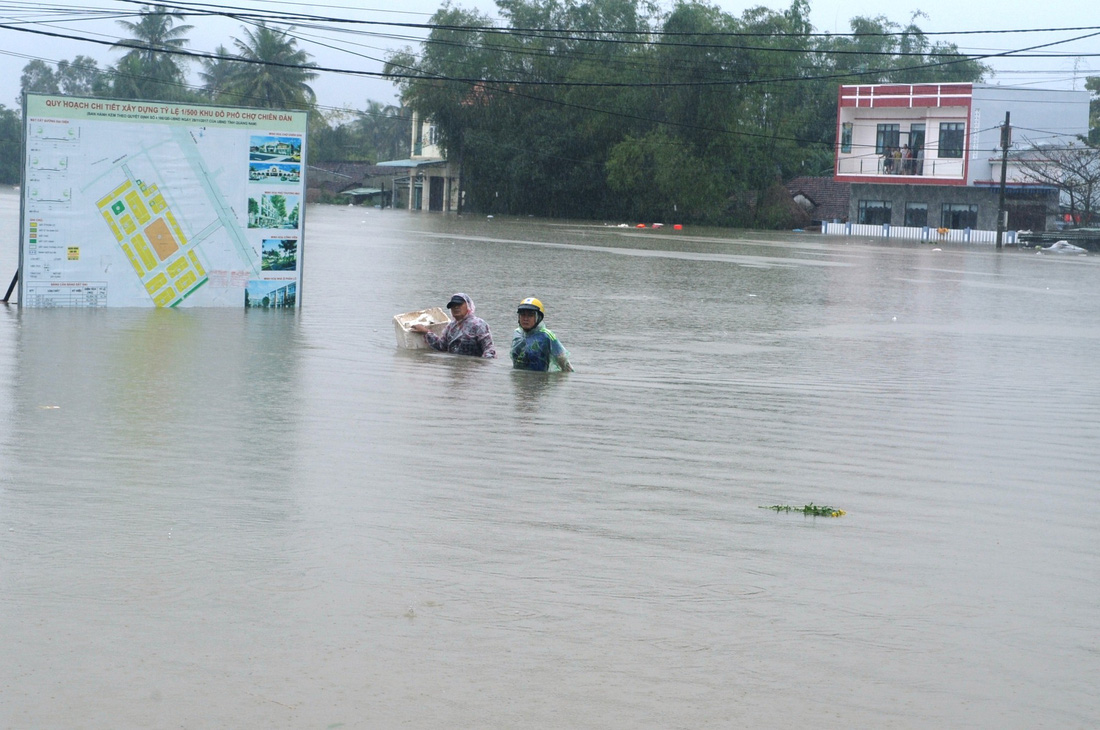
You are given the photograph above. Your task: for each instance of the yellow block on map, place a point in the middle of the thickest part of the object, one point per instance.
(134, 201)
(178, 266)
(185, 281)
(158, 204)
(128, 224)
(175, 227)
(144, 252)
(113, 194)
(165, 297)
(114, 229)
(133, 260)
(195, 261)
(156, 283)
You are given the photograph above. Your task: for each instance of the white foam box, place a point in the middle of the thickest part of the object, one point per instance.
(436, 319)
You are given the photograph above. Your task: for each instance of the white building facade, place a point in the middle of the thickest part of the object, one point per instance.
(432, 183)
(929, 155)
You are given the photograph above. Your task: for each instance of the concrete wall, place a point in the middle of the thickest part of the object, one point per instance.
(1021, 206)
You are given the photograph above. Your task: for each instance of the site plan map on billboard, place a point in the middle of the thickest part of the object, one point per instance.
(154, 204)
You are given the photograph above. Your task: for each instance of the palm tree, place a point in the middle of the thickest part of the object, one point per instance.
(385, 129)
(151, 72)
(274, 75)
(217, 72)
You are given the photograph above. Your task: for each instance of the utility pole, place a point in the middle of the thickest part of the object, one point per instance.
(1002, 214)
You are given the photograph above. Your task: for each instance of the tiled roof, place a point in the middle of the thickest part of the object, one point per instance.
(335, 177)
(830, 197)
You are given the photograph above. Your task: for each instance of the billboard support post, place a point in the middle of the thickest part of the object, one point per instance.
(11, 287)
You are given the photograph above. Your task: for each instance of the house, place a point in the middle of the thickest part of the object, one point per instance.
(350, 182)
(929, 155)
(426, 173)
(822, 198)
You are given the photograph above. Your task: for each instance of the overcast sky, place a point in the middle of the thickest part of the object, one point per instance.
(338, 90)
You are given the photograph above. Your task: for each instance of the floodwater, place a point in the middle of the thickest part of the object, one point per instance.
(270, 519)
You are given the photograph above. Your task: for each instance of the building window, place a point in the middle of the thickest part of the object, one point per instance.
(874, 212)
(951, 139)
(959, 216)
(888, 138)
(916, 214)
(846, 137)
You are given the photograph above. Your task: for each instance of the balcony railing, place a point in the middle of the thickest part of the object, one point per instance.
(939, 169)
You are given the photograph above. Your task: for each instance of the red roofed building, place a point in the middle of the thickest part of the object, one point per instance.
(929, 155)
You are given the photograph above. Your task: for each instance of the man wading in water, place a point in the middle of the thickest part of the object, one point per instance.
(533, 346)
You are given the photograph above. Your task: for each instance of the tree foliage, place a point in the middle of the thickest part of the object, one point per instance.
(695, 113)
(217, 73)
(1092, 83)
(11, 145)
(583, 108)
(276, 73)
(149, 69)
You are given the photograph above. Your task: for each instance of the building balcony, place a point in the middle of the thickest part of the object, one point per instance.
(950, 170)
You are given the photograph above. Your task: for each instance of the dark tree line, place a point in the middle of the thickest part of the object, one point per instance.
(696, 114)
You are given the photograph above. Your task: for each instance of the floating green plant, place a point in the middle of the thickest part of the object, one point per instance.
(810, 509)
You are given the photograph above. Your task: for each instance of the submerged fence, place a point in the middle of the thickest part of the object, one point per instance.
(919, 233)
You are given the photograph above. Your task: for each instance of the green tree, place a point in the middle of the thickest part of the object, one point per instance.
(648, 174)
(384, 131)
(38, 78)
(11, 145)
(278, 202)
(702, 121)
(1092, 83)
(276, 72)
(332, 139)
(149, 69)
(82, 77)
(217, 73)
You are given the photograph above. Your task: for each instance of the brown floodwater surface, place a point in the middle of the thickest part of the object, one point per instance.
(278, 519)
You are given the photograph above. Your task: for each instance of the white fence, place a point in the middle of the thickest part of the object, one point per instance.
(918, 233)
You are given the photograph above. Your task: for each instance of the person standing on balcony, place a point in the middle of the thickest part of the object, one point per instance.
(906, 160)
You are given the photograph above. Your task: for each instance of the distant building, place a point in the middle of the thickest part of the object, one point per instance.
(929, 155)
(359, 183)
(427, 180)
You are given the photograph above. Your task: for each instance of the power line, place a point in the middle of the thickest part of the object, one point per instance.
(196, 8)
(115, 73)
(500, 86)
(524, 82)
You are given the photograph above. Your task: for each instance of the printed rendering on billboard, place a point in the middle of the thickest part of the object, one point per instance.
(152, 204)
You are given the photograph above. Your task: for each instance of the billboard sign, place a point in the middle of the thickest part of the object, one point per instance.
(154, 204)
